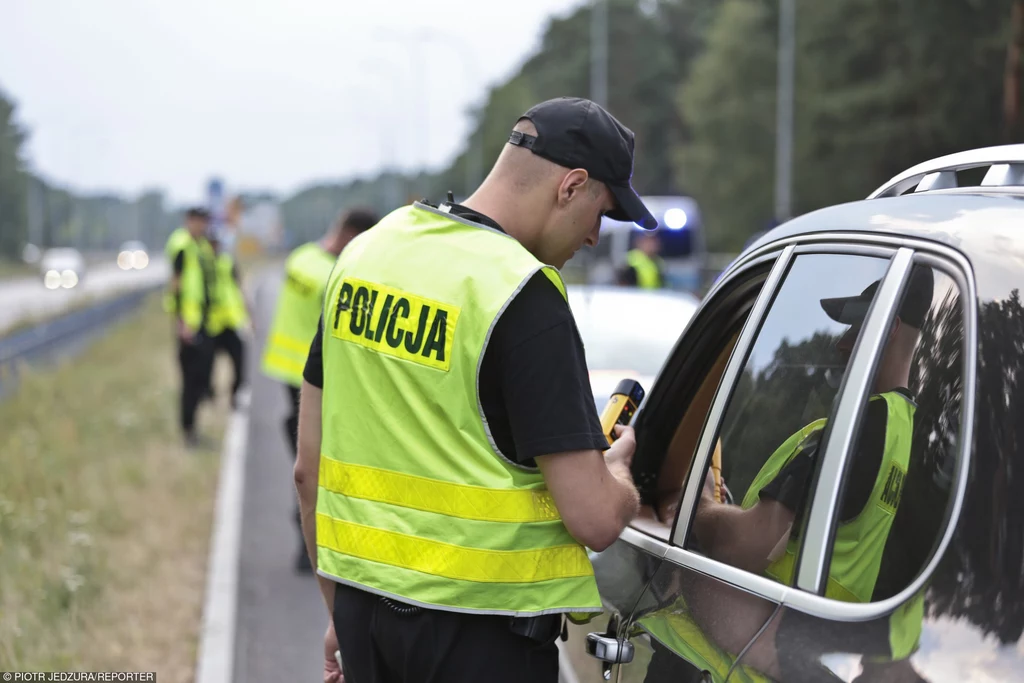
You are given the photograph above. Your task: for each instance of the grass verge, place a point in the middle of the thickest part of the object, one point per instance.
(104, 517)
(12, 269)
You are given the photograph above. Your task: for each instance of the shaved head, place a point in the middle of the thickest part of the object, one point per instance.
(552, 210)
(520, 169)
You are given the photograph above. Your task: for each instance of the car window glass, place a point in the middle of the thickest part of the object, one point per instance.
(898, 479)
(767, 450)
(669, 427)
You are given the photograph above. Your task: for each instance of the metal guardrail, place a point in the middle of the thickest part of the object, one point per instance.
(64, 335)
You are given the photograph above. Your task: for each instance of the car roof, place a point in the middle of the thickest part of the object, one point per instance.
(969, 221)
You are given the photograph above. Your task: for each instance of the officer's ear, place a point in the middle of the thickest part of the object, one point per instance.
(573, 184)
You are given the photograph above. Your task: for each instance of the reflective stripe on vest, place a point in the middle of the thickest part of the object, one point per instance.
(648, 271)
(227, 310)
(415, 501)
(297, 313)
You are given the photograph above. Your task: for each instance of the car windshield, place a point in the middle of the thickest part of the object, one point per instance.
(629, 329)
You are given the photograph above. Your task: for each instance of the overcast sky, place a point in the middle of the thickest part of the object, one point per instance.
(128, 94)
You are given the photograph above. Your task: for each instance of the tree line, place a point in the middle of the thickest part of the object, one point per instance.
(880, 86)
(35, 210)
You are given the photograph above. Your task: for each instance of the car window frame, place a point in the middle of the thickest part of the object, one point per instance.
(673, 373)
(950, 262)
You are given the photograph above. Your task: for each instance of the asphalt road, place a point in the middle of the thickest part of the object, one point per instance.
(27, 297)
(281, 616)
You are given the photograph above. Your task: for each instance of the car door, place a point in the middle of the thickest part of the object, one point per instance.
(767, 350)
(693, 370)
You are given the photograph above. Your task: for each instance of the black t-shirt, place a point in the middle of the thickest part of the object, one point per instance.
(534, 385)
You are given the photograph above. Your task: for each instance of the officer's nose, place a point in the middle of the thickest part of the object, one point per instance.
(594, 235)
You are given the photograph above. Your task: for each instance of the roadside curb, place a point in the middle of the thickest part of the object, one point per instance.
(216, 654)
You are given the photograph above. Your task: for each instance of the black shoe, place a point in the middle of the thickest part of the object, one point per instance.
(302, 563)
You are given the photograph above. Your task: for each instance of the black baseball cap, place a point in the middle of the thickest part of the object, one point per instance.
(198, 212)
(577, 133)
(917, 300)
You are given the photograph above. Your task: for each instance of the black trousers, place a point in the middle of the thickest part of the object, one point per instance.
(229, 342)
(194, 360)
(380, 644)
(291, 429)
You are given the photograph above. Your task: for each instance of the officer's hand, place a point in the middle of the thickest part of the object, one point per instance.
(621, 452)
(185, 332)
(332, 672)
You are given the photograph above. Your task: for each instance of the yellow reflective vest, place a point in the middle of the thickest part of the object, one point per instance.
(648, 270)
(297, 313)
(197, 276)
(227, 310)
(414, 499)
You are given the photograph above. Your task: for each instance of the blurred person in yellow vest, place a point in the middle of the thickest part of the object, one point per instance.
(188, 300)
(299, 303)
(644, 267)
(229, 314)
(452, 467)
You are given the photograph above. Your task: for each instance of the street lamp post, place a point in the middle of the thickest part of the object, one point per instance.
(599, 52)
(784, 111)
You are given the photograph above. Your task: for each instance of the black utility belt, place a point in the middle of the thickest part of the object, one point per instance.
(543, 628)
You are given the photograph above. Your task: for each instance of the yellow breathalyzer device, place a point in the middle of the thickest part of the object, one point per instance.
(621, 406)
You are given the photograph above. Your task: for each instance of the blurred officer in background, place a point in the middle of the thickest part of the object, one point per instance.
(228, 312)
(464, 469)
(644, 267)
(189, 300)
(298, 309)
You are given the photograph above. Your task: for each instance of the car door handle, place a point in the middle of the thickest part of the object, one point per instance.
(609, 649)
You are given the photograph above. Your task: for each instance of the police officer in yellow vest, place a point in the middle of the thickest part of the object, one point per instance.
(295, 320)
(761, 534)
(228, 312)
(644, 268)
(188, 299)
(452, 470)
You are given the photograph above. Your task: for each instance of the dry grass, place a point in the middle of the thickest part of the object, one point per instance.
(104, 517)
(14, 269)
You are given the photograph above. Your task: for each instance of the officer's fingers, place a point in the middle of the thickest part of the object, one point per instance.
(624, 431)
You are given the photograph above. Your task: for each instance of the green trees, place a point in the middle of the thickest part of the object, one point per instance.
(12, 183)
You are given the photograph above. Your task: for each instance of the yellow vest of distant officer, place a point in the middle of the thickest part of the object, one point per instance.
(227, 310)
(648, 270)
(196, 269)
(415, 502)
(297, 314)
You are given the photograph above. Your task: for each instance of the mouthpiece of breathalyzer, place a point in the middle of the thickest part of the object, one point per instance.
(621, 406)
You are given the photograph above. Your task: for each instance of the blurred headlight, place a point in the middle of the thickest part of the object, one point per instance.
(140, 259)
(51, 279)
(68, 279)
(124, 260)
(675, 219)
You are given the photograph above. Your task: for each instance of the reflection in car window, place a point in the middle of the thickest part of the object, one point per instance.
(899, 476)
(768, 443)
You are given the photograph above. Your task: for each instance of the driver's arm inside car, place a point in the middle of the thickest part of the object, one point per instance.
(748, 539)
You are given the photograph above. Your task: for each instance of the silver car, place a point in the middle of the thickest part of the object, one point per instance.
(627, 332)
(896, 552)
